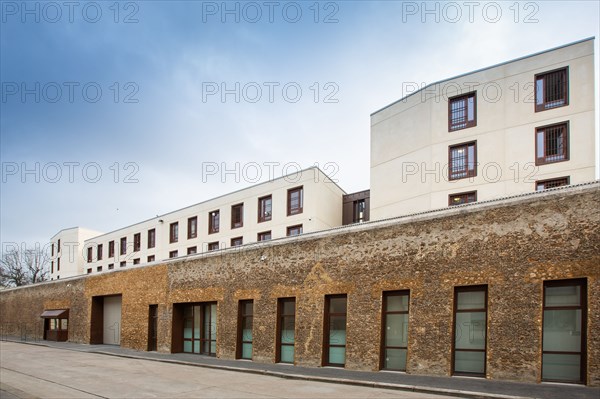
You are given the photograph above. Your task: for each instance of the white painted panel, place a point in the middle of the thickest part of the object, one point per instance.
(112, 320)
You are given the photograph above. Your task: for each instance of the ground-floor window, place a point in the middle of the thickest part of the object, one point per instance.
(470, 324)
(334, 337)
(200, 328)
(394, 338)
(563, 348)
(286, 328)
(245, 322)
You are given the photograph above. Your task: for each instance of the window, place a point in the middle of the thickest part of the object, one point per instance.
(358, 211)
(174, 232)
(137, 242)
(244, 336)
(99, 251)
(265, 208)
(462, 112)
(52, 250)
(111, 249)
(237, 216)
(58, 265)
(564, 331)
(295, 200)
(193, 227)
(551, 89)
(173, 254)
(51, 267)
(286, 329)
(89, 270)
(213, 246)
(123, 246)
(462, 198)
(237, 241)
(200, 328)
(334, 336)
(136, 261)
(122, 264)
(89, 255)
(551, 143)
(58, 250)
(394, 340)
(111, 266)
(551, 183)
(99, 269)
(151, 238)
(462, 160)
(294, 230)
(213, 222)
(191, 250)
(151, 258)
(470, 324)
(264, 236)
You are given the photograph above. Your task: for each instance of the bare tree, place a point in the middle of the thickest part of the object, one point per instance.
(22, 267)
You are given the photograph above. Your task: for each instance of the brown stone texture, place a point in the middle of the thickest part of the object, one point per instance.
(512, 246)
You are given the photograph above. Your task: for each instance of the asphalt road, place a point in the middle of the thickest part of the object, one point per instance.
(28, 371)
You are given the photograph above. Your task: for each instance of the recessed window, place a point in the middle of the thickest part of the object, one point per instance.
(192, 227)
(99, 252)
(137, 242)
(334, 337)
(462, 161)
(111, 249)
(122, 264)
(295, 201)
(136, 261)
(462, 198)
(89, 254)
(213, 246)
(192, 250)
(174, 232)
(123, 246)
(111, 266)
(551, 183)
(151, 238)
(552, 89)
(265, 208)
(359, 211)
(89, 270)
(237, 241)
(462, 112)
(58, 265)
(394, 342)
(564, 331)
(552, 143)
(237, 216)
(52, 267)
(245, 317)
(470, 326)
(264, 236)
(52, 250)
(173, 254)
(151, 258)
(99, 269)
(58, 245)
(199, 328)
(286, 330)
(294, 230)
(213, 222)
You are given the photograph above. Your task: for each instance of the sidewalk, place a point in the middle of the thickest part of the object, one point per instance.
(454, 386)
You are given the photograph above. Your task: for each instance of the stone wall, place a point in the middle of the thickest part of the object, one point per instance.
(511, 246)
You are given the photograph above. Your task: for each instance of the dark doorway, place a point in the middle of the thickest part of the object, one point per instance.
(152, 327)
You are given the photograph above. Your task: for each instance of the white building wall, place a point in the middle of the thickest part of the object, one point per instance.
(410, 138)
(67, 257)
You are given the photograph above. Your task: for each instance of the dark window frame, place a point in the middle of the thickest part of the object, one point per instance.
(470, 288)
(466, 171)
(281, 320)
(151, 238)
(555, 182)
(213, 246)
(260, 236)
(214, 221)
(565, 142)
(464, 195)
(235, 222)
(242, 316)
(291, 228)
(203, 338)
(111, 266)
(326, 330)
(356, 210)
(111, 249)
(234, 239)
(192, 227)
(123, 264)
(137, 242)
(123, 246)
(263, 214)
(298, 210)
(99, 251)
(136, 261)
(173, 232)
(151, 258)
(454, 125)
(90, 252)
(173, 254)
(547, 105)
(384, 299)
(192, 250)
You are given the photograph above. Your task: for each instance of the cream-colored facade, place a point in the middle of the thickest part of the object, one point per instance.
(320, 208)
(66, 256)
(411, 138)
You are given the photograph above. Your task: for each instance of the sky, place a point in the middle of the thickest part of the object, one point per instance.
(115, 112)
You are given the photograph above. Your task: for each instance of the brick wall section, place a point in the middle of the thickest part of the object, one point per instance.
(511, 245)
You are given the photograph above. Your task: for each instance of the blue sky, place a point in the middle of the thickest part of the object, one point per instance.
(157, 123)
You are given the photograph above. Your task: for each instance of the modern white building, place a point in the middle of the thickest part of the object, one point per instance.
(298, 203)
(516, 127)
(66, 256)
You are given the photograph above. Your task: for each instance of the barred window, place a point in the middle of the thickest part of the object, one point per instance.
(462, 161)
(551, 90)
(551, 143)
(551, 183)
(462, 112)
(462, 198)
